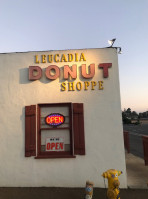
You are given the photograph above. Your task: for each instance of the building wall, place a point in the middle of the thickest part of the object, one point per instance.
(102, 117)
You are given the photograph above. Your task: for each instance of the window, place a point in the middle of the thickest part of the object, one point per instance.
(59, 132)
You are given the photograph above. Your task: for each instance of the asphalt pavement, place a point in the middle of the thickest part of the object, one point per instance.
(141, 129)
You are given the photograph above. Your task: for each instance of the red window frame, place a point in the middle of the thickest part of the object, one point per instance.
(61, 154)
(76, 128)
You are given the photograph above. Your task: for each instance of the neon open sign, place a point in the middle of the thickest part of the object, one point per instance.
(55, 119)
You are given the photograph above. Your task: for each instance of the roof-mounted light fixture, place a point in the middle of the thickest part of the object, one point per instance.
(111, 42)
(119, 50)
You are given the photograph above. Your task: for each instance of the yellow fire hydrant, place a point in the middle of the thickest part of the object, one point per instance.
(113, 183)
(89, 190)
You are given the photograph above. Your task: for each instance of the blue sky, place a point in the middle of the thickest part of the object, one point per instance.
(36, 25)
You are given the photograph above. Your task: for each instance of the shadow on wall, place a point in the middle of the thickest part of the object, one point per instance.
(24, 77)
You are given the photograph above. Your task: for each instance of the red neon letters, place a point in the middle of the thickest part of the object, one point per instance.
(55, 119)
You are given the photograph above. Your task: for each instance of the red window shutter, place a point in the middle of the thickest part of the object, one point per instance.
(30, 131)
(78, 127)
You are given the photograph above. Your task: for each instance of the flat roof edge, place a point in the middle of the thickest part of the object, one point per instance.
(60, 50)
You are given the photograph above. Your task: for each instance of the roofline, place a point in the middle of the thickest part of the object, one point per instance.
(60, 50)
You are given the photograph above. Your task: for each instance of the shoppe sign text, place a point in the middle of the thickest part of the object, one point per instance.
(69, 71)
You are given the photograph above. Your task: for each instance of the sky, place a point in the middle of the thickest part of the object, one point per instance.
(38, 25)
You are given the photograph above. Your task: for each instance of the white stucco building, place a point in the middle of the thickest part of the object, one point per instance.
(96, 88)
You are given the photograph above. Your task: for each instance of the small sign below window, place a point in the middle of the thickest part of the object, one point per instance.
(54, 144)
(55, 119)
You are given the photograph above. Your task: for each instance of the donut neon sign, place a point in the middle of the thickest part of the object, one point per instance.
(55, 119)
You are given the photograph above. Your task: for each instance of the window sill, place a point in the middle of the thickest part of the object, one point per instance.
(55, 156)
